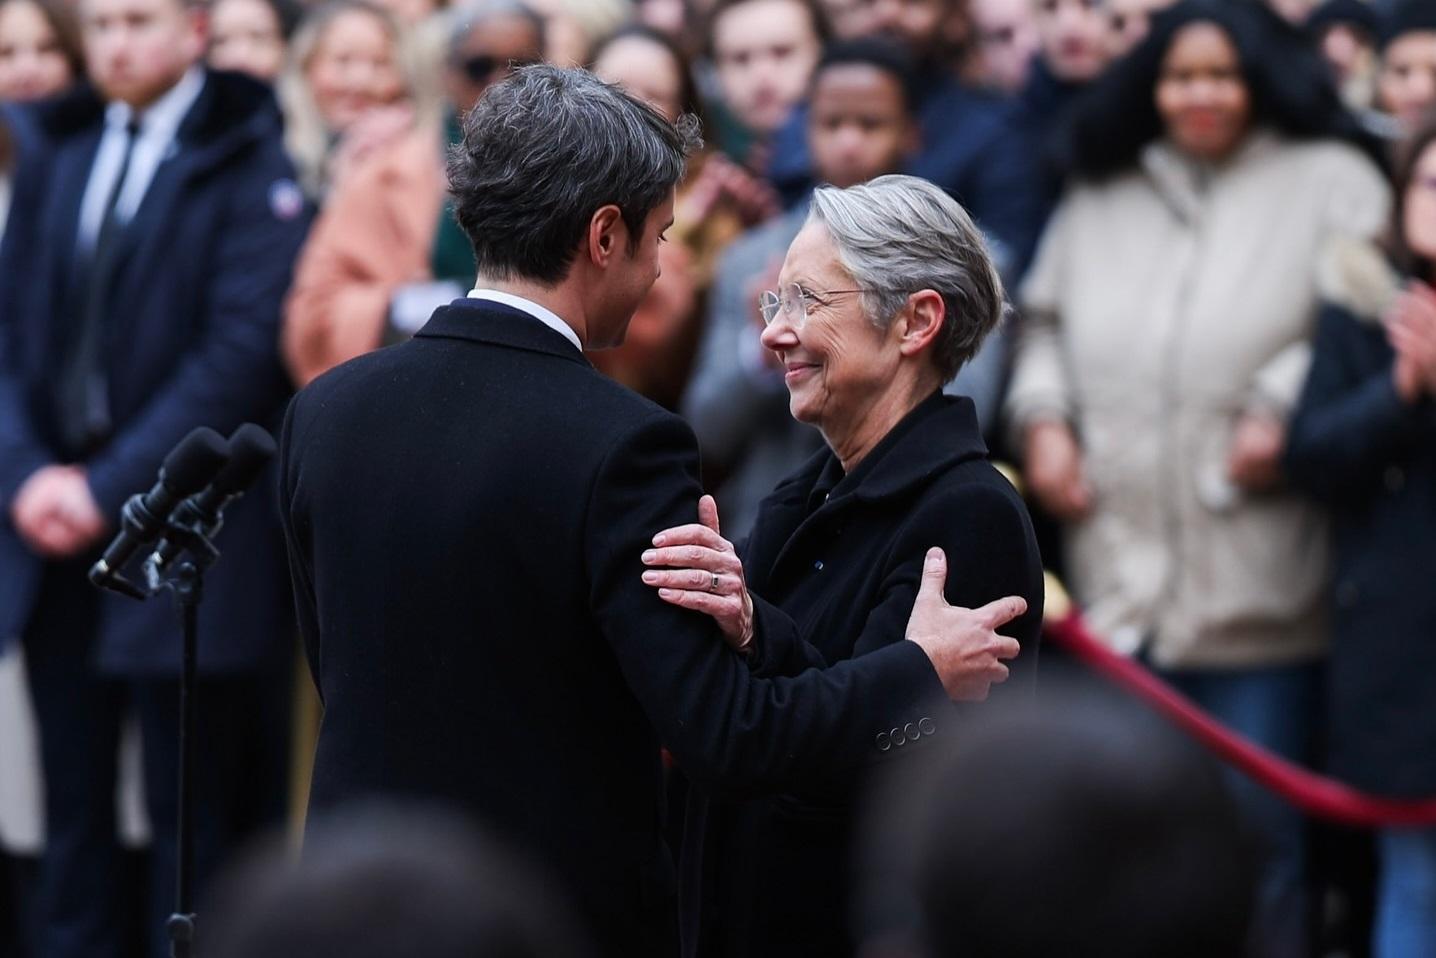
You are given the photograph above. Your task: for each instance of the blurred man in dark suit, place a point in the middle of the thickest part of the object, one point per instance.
(148, 305)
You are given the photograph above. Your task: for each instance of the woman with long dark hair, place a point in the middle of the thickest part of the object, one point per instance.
(1168, 318)
(1362, 441)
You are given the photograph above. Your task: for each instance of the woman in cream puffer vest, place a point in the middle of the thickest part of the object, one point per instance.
(1166, 328)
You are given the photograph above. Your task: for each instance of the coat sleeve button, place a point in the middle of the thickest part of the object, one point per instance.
(927, 726)
(884, 743)
(911, 732)
(897, 736)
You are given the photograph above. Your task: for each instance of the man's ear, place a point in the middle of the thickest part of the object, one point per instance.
(920, 321)
(607, 235)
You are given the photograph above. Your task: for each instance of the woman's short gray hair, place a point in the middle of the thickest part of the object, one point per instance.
(897, 235)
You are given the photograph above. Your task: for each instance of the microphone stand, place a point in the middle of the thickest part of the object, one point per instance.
(186, 580)
(182, 550)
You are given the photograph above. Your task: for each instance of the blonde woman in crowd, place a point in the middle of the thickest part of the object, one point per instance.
(386, 250)
(1168, 315)
(346, 62)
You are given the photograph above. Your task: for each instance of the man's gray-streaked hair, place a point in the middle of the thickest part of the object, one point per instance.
(897, 235)
(542, 152)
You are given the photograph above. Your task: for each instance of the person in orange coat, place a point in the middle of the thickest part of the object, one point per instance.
(385, 250)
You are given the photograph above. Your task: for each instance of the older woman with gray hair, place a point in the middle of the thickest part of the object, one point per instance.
(884, 295)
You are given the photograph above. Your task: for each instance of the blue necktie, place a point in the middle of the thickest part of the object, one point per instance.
(83, 400)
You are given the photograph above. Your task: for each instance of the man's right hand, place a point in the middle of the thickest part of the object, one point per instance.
(962, 644)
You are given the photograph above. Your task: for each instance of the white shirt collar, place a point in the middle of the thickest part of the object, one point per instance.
(161, 120)
(546, 316)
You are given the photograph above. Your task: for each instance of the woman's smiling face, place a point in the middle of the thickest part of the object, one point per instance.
(835, 361)
(1202, 95)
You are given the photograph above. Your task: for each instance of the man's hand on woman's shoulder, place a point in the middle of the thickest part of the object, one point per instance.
(962, 644)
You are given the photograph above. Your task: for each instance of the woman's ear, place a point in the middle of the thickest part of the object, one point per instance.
(920, 321)
(607, 233)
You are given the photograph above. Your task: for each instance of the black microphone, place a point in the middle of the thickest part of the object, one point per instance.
(250, 449)
(185, 470)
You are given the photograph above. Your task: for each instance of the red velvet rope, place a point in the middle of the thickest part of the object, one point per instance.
(1316, 795)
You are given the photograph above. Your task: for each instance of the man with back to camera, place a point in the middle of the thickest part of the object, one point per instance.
(466, 514)
(149, 305)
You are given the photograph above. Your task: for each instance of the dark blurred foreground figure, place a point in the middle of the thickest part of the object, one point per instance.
(1082, 826)
(387, 883)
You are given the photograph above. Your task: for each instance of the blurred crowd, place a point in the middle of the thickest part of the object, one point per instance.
(1216, 221)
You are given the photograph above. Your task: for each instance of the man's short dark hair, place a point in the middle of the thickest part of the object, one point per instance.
(879, 53)
(546, 149)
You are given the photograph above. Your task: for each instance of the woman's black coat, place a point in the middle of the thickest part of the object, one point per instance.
(1372, 459)
(842, 556)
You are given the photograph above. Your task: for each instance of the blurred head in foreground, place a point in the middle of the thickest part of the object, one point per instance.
(1083, 826)
(384, 883)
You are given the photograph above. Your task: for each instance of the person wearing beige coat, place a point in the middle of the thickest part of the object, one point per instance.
(1159, 312)
(1166, 336)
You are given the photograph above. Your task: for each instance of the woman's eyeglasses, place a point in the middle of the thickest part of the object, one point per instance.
(792, 303)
